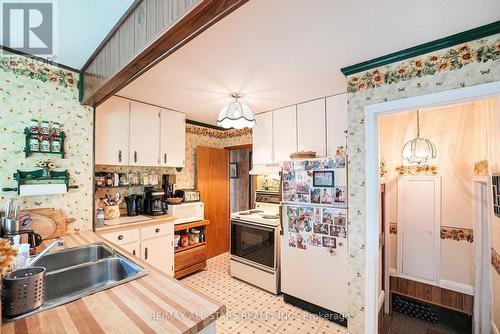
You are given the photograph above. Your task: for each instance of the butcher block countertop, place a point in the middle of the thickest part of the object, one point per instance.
(153, 221)
(155, 303)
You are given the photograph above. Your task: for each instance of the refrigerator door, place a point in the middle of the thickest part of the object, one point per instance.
(314, 274)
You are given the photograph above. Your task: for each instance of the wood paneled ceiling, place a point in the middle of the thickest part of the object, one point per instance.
(281, 52)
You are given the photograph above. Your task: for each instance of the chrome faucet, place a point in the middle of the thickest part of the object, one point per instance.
(32, 260)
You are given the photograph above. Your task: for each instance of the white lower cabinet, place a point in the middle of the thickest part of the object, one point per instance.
(158, 252)
(154, 244)
(133, 248)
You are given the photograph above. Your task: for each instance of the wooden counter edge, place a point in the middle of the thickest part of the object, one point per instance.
(143, 223)
(222, 309)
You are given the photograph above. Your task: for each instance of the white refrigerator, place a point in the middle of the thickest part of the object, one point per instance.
(314, 236)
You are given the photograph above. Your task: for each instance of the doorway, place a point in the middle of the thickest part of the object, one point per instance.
(241, 183)
(373, 113)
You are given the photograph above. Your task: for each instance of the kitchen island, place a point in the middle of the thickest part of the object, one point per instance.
(154, 303)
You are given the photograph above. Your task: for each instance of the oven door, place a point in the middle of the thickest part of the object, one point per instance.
(253, 243)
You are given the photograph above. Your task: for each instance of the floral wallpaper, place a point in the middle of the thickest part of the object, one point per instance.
(464, 65)
(32, 90)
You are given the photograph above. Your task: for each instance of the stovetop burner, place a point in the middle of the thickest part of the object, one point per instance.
(245, 213)
(256, 211)
(270, 216)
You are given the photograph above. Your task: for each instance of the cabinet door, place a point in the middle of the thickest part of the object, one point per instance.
(112, 132)
(311, 125)
(336, 122)
(263, 139)
(133, 248)
(159, 252)
(284, 133)
(144, 135)
(173, 138)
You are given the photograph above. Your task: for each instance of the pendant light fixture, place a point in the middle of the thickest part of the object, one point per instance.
(418, 151)
(236, 115)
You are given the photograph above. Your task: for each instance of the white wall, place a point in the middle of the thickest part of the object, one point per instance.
(460, 135)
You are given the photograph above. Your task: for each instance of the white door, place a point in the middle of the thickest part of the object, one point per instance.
(263, 139)
(284, 133)
(418, 218)
(159, 252)
(144, 135)
(311, 135)
(336, 123)
(112, 132)
(173, 138)
(133, 248)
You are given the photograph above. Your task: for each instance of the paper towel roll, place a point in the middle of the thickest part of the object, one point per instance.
(42, 189)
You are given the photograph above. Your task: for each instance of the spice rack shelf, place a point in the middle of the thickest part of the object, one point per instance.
(28, 135)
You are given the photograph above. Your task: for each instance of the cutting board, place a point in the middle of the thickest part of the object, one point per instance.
(45, 220)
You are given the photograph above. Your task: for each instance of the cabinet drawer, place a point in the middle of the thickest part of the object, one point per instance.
(157, 230)
(190, 257)
(122, 237)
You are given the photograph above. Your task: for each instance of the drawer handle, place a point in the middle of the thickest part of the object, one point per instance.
(119, 155)
(145, 253)
(135, 156)
(133, 252)
(157, 230)
(165, 157)
(120, 237)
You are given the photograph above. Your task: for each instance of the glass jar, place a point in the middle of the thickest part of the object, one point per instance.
(109, 179)
(145, 179)
(34, 126)
(34, 144)
(153, 179)
(136, 179)
(56, 128)
(123, 179)
(45, 127)
(45, 145)
(55, 146)
(100, 179)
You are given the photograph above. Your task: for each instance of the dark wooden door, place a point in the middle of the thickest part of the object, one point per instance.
(212, 168)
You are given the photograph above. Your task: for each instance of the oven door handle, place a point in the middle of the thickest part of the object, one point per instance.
(256, 225)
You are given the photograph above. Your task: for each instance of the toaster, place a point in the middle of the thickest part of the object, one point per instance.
(188, 195)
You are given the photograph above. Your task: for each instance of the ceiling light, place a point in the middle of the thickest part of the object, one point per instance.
(236, 115)
(418, 151)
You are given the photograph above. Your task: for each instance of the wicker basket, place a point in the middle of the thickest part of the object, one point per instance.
(303, 155)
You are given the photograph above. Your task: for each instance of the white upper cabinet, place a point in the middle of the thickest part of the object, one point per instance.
(172, 138)
(144, 135)
(284, 133)
(111, 132)
(336, 122)
(263, 139)
(311, 134)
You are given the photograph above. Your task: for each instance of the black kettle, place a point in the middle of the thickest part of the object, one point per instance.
(134, 204)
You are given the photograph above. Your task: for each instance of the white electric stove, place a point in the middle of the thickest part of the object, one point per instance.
(255, 236)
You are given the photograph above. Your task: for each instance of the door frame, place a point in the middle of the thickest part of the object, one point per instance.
(483, 300)
(372, 113)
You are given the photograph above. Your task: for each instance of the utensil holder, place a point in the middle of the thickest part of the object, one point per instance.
(23, 291)
(111, 212)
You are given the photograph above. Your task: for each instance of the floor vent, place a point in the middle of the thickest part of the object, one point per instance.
(413, 309)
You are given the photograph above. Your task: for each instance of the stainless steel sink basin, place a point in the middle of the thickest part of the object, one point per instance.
(74, 256)
(92, 277)
(81, 271)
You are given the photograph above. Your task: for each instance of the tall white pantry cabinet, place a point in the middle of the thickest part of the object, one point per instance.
(317, 125)
(419, 223)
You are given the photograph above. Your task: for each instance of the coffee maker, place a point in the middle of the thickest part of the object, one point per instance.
(168, 184)
(153, 201)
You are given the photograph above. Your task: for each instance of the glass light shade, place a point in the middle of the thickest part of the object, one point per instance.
(236, 115)
(418, 151)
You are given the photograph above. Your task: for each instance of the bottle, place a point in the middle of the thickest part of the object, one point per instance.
(202, 235)
(100, 217)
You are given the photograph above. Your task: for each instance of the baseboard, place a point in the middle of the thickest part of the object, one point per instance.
(455, 286)
(494, 329)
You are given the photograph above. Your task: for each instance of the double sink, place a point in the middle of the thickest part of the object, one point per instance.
(80, 271)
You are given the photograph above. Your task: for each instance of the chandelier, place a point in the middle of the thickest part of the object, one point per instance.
(236, 115)
(418, 151)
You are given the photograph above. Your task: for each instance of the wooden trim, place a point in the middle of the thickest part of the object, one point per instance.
(205, 125)
(200, 18)
(41, 59)
(438, 44)
(185, 248)
(238, 147)
(186, 226)
(432, 294)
